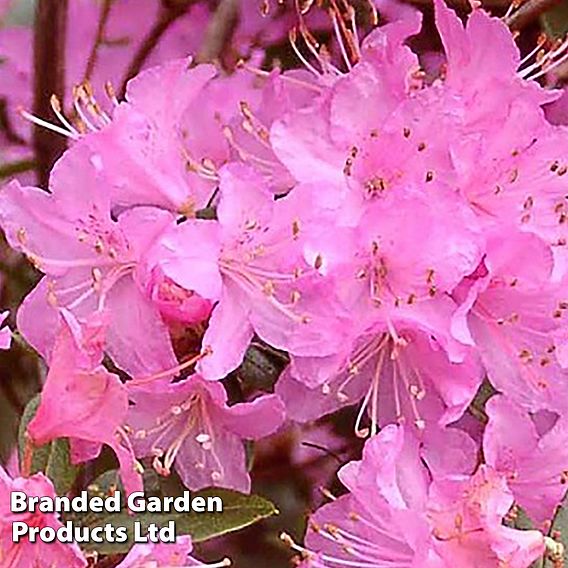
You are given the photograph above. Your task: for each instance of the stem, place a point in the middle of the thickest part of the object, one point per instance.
(103, 20)
(528, 12)
(169, 14)
(7, 127)
(219, 31)
(464, 5)
(13, 168)
(49, 79)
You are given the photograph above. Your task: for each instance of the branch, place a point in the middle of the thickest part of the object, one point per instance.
(11, 169)
(528, 12)
(464, 5)
(103, 20)
(171, 11)
(219, 32)
(49, 79)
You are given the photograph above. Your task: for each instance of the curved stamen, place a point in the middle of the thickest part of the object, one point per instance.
(174, 370)
(45, 124)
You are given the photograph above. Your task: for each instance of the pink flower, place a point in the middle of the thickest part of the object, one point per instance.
(189, 424)
(127, 25)
(147, 147)
(536, 464)
(250, 262)
(166, 556)
(168, 154)
(395, 514)
(26, 553)
(468, 50)
(89, 260)
(467, 515)
(407, 369)
(511, 311)
(174, 302)
(314, 141)
(81, 400)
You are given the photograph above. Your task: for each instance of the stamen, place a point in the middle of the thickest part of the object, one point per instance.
(45, 124)
(56, 107)
(174, 370)
(292, 37)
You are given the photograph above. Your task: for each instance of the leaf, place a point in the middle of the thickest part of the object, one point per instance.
(53, 459)
(261, 368)
(239, 511)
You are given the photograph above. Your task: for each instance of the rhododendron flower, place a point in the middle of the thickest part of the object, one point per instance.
(512, 312)
(467, 517)
(5, 333)
(395, 514)
(89, 260)
(536, 465)
(250, 262)
(189, 425)
(158, 153)
(82, 400)
(147, 148)
(406, 369)
(557, 112)
(385, 229)
(469, 49)
(315, 141)
(126, 26)
(25, 553)
(166, 556)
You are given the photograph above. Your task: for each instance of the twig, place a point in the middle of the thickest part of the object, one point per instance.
(528, 12)
(103, 20)
(171, 11)
(464, 5)
(10, 169)
(7, 127)
(219, 31)
(49, 79)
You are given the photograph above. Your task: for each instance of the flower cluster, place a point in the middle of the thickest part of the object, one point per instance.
(402, 236)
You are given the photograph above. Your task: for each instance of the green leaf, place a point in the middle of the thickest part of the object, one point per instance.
(10, 169)
(239, 511)
(261, 368)
(52, 459)
(477, 406)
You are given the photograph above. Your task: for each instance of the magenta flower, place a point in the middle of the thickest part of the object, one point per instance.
(128, 23)
(407, 369)
(81, 400)
(26, 553)
(395, 514)
(251, 263)
(512, 312)
(166, 556)
(89, 260)
(189, 424)
(145, 146)
(535, 462)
